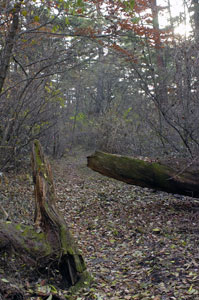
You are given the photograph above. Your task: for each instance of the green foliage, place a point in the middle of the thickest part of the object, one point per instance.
(129, 5)
(67, 22)
(61, 101)
(24, 13)
(55, 28)
(80, 117)
(36, 18)
(80, 3)
(126, 113)
(55, 95)
(38, 127)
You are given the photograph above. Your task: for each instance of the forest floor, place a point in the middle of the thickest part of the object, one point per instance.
(137, 243)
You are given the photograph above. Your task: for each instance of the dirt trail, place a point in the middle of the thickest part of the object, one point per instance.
(138, 243)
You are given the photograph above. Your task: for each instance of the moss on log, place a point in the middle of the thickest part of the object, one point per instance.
(49, 243)
(51, 221)
(145, 174)
(33, 246)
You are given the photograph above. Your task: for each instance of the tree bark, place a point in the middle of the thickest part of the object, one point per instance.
(49, 243)
(155, 175)
(51, 222)
(6, 52)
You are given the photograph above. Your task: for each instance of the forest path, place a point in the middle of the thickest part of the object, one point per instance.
(137, 243)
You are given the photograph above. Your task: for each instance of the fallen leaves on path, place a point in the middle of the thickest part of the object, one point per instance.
(138, 243)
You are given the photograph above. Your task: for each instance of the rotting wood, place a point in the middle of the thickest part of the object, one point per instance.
(48, 244)
(143, 173)
(51, 222)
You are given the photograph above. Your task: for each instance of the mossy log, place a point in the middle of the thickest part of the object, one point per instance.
(47, 244)
(155, 175)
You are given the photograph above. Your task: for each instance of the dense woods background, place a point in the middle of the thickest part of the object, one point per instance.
(113, 75)
(98, 74)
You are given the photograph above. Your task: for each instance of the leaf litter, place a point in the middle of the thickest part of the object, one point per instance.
(138, 243)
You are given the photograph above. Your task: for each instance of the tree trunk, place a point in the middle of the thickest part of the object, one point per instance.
(51, 221)
(195, 5)
(155, 175)
(49, 244)
(6, 52)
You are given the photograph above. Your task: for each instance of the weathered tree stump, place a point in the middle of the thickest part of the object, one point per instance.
(155, 175)
(51, 222)
(48, 244)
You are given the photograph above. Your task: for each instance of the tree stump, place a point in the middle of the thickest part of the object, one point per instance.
(51, 222)
(48, 244)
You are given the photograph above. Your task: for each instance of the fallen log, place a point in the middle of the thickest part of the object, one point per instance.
(155, 175)
(48, 246)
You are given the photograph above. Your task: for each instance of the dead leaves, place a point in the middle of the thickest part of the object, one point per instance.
(137, 244)
(130, 239)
